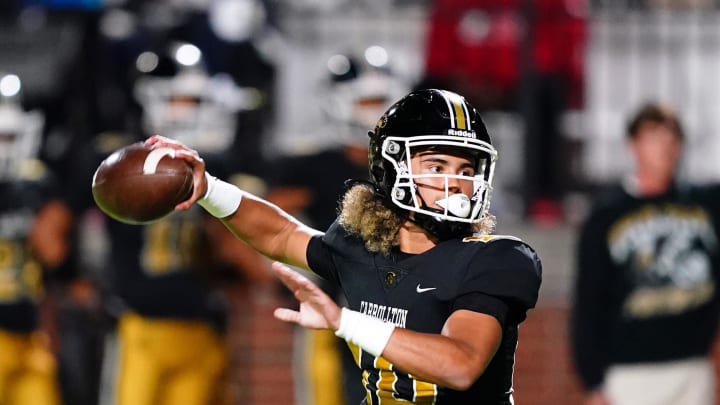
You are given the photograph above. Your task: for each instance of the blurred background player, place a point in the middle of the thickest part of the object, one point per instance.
(35, 227)
(646, 298)
(47, 44)
(166, 282)
(355, 92)
(193, 70)
(178, 95)
(216, 42)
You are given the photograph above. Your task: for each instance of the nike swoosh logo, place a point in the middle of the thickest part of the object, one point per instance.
(421, 290)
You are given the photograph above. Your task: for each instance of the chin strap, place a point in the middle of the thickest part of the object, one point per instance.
(440, 228)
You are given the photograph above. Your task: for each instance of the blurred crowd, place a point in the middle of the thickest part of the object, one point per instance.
(99, 312)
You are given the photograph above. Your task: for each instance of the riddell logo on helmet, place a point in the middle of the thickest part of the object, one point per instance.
(462, 132)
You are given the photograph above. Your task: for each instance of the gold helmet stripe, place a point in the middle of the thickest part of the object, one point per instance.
(458, 110)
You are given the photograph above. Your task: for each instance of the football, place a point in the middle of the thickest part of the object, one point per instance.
(138, 185)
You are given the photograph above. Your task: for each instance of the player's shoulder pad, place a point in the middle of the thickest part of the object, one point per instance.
(505, 267)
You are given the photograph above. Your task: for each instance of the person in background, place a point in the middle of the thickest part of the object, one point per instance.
(646, 299)
(165, 287)
(434, 299)
(167, 280)
(35, 229)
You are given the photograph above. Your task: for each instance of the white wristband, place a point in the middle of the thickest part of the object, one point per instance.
(371, 334)
(221, 198)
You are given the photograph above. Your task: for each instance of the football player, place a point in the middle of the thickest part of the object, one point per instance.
(35, 225)
(434, 300)
(169, 274)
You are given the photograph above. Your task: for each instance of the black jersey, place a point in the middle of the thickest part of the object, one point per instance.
(20, 274)
(164, 269)
(647, 288)
(499, 276)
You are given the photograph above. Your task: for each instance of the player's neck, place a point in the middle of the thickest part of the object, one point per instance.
(414, 239)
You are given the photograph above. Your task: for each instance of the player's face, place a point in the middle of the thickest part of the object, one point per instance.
(656, 149)
(439, 165)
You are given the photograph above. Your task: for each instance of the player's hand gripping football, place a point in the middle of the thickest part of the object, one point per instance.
(193, 159)
(317, 309)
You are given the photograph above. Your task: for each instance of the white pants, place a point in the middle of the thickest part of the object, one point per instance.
(686, 382)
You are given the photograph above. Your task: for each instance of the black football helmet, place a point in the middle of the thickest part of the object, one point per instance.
(432, 119)
(181, 99)
(358, 89)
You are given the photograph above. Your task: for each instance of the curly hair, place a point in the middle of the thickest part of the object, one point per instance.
(364, 214)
